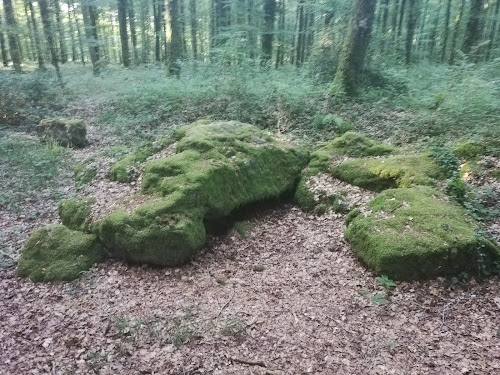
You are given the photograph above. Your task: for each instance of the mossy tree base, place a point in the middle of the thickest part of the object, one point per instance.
(56, 253)
(417, 233)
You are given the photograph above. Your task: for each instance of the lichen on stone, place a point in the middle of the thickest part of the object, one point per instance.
(56, 253)
(417, 233)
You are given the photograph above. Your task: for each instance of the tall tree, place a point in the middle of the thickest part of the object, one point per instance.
(133, 33)
(89, 12)
(49, 35)
(268, 29)
(385, 17)
(446, 30)
(194, 27)
(347, 77)
(3, 48)
(122, 22)
(413, 8)
(454, 38)
(493, 30)
(220, 22)
(280, 51)
(301, 32)
(473, 27)
(434, 29)
(71, 32)
(80, 35)
(176, 50)
(38, 41)
(60, 32)
(14, 47)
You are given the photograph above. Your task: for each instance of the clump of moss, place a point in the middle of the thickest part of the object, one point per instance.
(84, 174)
(75, 213)
(349, 144)
(396, 171)
(56, 253)
(125, 170)
(417, 233)
(467, 150)
(218, 168)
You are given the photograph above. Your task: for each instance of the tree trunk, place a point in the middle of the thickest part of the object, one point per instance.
(455, 32)
(71, 33)
(281, 34)
(133, 33)
(122, 22)
(268, 30)
(49, 35)
(144, 12)
(401, 17)
(60, 31)
(410, 32)
(493, 30)
(194, 28)
(446, 30)
(38, 42)
(383, 27)
(80, 36)
(174, 61)
(251, 34)
(157, 28)
(5, 58)
(394, 21)
(299, 46)
(90, 21)
(32, 48)
(14, 48)
(347, 78)
(433, 32)
(473, 27)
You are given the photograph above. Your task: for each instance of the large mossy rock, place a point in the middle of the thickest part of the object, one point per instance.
(56, 253)
(417, 233)
(348, 145)
(218, 167)
(64, 131)
(384, 173)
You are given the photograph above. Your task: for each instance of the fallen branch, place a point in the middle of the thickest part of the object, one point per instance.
(249, 362)
(225, 305)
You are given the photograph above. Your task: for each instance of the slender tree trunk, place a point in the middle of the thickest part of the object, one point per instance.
(14, 47)
(112, 24)
(133, 33)
(174, 61)
(144, 12)
(410, 32)
(493, 30)
(446, 30)
(455, 32)
(473, 27)
(299, 47)
(281, 33)
(394, 21)
(122, 22)
(90, 21)
(80, 36)
(60, 31)
(182, 19)
(421, 30)
(32, 48)
(309, 32)
(401, 17)
(71, 33)
(347, 78)
(38, 42)
(194, 28)
(383, 27)
(157, 28)
(251, 34)
(433, 32)
(3, 48)
(49, 35)
(268, 29)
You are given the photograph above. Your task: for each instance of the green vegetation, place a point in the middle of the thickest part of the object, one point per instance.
(56, 253)
(417, 233)
(75, 213)
(396, 171)
(219, 167)
(84, 174)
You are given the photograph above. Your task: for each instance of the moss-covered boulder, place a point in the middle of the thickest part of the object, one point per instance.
(383, 173)
(125, 170)
(218, 167)
(417, 233)
(66, 132)
(75, 213)
(350, 144)
(56, 253)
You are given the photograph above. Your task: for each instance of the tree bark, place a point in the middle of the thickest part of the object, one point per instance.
(14, 48)
(493, 30)
(89, 12)
(446, 30)
(174, 60)
(60, 31)
(455, 33)
(194, 28)
(410, 32)
(133, 33)
(473, 27)
(268, 30)
(347, 78)
(80, 36)
(3, 48)
(433, 32)
(49, 35)
(71, 33)
(122, 22)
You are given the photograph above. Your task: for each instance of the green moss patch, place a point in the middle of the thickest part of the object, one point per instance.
(468, 150)
(396, 171)
(417, 233)
(84, 174)
(218, 168)
(56, 253)
(125, 170)
(75, 213)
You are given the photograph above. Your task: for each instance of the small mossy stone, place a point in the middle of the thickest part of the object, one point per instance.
(356, 145)
(75, 213)
(66, 132)
(84, 174)
(153, 234)
(385, 173)
(417, 233)
(56, 253)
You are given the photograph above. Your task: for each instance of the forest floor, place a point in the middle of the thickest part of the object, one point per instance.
(282, 293)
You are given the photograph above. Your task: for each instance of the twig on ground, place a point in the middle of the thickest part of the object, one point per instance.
(249, 362)
(225, 305)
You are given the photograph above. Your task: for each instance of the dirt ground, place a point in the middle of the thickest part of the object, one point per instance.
(282, 295)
